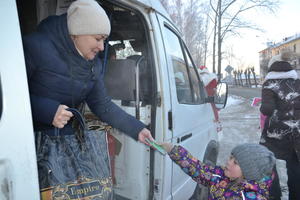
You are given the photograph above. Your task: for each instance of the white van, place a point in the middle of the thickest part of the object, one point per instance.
(170, 99)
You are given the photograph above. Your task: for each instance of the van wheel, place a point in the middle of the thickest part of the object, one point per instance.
(201, 192)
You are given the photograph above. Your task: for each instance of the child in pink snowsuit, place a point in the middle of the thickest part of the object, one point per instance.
(256, 102)
(262, 121)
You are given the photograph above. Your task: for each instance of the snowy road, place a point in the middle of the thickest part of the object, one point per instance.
(240, 124)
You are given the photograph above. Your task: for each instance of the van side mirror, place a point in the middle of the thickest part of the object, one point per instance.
(220, 96)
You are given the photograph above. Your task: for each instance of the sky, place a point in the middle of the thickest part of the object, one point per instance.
(283, 23)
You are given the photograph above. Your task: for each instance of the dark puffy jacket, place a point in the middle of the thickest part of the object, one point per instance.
(57, 74)
(282, 96)
(281, 104)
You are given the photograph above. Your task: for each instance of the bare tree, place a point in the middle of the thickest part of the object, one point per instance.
(203, 34)
(254, 75)
(249, 77)
(192, 31)
(206, 38)
(215, 22)
(240, 72)
(246, 77)
(165, 3)
(235, 77)
(191, 20)
(227, 19)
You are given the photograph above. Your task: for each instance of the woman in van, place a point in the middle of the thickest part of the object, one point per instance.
(64, 70)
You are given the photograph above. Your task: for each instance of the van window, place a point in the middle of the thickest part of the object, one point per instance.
(194, 78)
(125, 48)
(186, 81)
(131, 46)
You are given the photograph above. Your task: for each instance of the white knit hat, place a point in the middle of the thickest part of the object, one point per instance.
(87, 17)
(285, 56)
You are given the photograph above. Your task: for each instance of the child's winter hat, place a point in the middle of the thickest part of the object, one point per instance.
(87, 17)
(280, 62)
(255, 160)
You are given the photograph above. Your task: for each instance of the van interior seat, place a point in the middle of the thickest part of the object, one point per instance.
(145, 78)
(120, 79)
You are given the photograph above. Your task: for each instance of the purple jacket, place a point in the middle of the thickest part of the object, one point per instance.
(220, 186)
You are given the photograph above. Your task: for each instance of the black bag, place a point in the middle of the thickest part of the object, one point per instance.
(70, 168)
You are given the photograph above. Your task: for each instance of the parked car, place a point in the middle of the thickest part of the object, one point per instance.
(153, 77)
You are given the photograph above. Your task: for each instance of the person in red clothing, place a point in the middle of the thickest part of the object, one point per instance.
(210, 81)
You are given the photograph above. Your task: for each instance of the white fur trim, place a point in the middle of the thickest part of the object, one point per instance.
(243, 196)
(283, 56)
(282, 75)
(274, 59)
(216, 175)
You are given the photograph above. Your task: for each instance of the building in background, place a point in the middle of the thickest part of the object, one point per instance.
(291, 43)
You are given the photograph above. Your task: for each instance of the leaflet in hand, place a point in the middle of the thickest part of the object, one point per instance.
(156, 146)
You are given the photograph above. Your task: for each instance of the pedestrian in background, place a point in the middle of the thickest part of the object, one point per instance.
(210, 81)
(281, 105)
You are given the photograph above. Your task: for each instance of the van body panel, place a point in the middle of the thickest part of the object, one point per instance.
(18, 170)
(154, 4)
(162, 164)
(132, 172)
(189, 129)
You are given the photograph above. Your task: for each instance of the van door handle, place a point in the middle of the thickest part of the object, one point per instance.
(185, 137)
(170, 120)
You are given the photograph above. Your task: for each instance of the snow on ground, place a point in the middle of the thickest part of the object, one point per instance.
(240, 123)
(233, 100)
